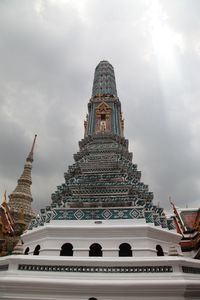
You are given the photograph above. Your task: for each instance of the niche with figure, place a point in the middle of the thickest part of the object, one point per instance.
(103, 118)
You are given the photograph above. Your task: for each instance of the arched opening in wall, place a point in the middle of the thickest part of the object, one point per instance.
(95, 250)
(92, 298)
(159, 250)
(66, 250)
(37, 250)
(26, 252)
(125, 250)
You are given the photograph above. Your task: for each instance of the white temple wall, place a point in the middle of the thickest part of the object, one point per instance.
(143, 240)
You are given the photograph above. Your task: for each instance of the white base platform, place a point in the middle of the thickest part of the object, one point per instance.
(50, 277)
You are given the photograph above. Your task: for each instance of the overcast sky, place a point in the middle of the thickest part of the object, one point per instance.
(48, 53)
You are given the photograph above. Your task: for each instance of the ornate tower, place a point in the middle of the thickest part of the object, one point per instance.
(21, 198)
(103, 183)
(104, 107)
(101, 237)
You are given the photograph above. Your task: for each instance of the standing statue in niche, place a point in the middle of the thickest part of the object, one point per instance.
(103, 117)
(103, 126)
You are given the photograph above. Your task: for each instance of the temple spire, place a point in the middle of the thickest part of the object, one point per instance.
(30, 156)
(21, 197)
(104, 80)
(104, 108)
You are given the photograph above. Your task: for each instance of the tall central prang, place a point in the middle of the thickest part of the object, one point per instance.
(103, 183)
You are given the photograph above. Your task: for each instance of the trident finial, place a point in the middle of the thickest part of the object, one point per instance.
(30, 156)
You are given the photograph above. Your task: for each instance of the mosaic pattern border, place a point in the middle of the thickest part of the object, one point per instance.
(101, 214)
(95, 269)
(97, 214)
(191, 270)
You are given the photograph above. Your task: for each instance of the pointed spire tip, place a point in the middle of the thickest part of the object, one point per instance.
(30, 156)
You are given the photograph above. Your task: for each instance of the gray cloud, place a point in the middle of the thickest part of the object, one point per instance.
(48, 52)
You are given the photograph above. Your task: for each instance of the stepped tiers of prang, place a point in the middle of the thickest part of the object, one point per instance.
(103, 183)
(102, 237)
